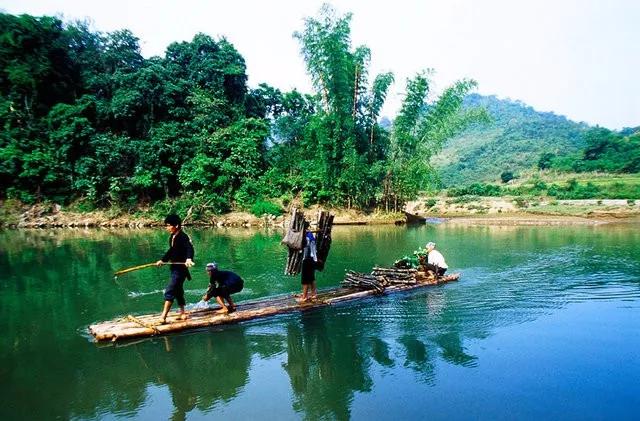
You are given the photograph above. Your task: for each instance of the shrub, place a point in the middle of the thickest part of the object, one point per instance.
(263, 207)
(465, 199)
(83, 206)
(477, 189)
(521, 202)
(430, 202)
(286, 199)
(506, 176)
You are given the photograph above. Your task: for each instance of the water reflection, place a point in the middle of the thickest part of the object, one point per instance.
(199, 372)
(380, 352)
(214, 371)
(325, 367)
(55, 283)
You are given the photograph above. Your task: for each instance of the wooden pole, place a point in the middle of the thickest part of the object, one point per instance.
(146, 265)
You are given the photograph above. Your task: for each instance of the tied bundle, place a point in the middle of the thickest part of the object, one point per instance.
(293, 240)
(380, 278)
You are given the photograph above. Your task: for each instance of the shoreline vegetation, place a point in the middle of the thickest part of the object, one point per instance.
(96, 135)
(479, 211)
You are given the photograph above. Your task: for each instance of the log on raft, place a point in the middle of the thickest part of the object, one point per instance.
(323, 238)
(139, 326)
(293, 239)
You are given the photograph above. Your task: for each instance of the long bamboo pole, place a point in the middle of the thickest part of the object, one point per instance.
(146, 265)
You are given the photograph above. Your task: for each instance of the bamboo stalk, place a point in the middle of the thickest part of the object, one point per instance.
(146, 265)
(141, 323)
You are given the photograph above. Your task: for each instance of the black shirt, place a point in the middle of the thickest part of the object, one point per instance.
(224, 278)
(180, 249)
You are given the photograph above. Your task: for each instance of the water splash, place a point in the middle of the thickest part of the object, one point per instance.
(136, 294)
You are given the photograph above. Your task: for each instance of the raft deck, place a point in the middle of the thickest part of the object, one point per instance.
(149, 325)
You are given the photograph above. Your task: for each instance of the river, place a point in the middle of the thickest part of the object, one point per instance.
(544, 323)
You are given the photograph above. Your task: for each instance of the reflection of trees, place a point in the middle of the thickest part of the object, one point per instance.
(55, 283)
(453, 351)
(325, 366)
(199, 372)
(380, 352)
(418, 357)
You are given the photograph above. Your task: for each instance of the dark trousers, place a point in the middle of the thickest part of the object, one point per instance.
(175, 288)
(308, 271)
(435, 269)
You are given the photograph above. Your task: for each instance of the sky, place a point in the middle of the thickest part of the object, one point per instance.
(578, 58)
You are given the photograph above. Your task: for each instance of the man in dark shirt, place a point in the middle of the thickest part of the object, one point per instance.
(222, 283)
(180, 255)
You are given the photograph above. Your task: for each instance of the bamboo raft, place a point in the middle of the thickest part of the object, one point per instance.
(130, 327)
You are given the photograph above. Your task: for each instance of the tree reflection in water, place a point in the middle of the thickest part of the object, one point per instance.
(200, 376)
(325, 365)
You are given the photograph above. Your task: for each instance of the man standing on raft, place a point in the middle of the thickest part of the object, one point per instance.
(180, 255)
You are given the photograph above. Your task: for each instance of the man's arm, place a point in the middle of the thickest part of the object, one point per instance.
(207, 296)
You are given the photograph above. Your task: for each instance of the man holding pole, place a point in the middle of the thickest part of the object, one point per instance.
(180, 255)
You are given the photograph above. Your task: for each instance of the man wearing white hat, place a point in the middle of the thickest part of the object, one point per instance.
(222, 283)
(435, 260)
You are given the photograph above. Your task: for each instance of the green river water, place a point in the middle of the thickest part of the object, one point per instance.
(543, 324)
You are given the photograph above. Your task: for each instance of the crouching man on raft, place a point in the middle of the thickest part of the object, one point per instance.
(222, 283)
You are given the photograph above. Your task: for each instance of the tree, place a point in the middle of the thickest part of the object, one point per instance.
(419, 131)
(342, 135)
(506, 176)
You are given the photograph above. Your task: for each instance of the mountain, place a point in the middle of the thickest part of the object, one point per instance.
(513, 141)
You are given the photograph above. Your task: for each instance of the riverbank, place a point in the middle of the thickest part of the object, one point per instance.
(479, 211)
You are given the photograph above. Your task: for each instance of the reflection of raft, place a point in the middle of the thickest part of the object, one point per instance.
(147, 325)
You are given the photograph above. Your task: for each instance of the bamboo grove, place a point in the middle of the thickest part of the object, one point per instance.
(86, 119)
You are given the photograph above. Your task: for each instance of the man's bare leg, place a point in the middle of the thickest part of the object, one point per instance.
(165, 311)
(224, 308)
(232, 305)
(305, 293)
(183, 314)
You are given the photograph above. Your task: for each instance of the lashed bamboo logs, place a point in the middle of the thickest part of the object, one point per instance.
(294, 236)
(293, 240)
(364, 281)
(323, 238)
(380, 278)
(149, 325)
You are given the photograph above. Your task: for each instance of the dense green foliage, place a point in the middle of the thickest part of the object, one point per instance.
(85, 118)
(572, 189)
(411, 260)
(512, 142)
(605, 151)
(84, 115)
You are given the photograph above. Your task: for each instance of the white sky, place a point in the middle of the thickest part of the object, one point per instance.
(579, 58)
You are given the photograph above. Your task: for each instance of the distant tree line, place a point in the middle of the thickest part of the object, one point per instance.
(605, 151)
(85, 118)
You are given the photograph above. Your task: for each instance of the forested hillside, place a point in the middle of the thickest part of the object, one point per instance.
(513, 141)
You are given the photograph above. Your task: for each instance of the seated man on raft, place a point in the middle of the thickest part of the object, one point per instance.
(435, 260)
